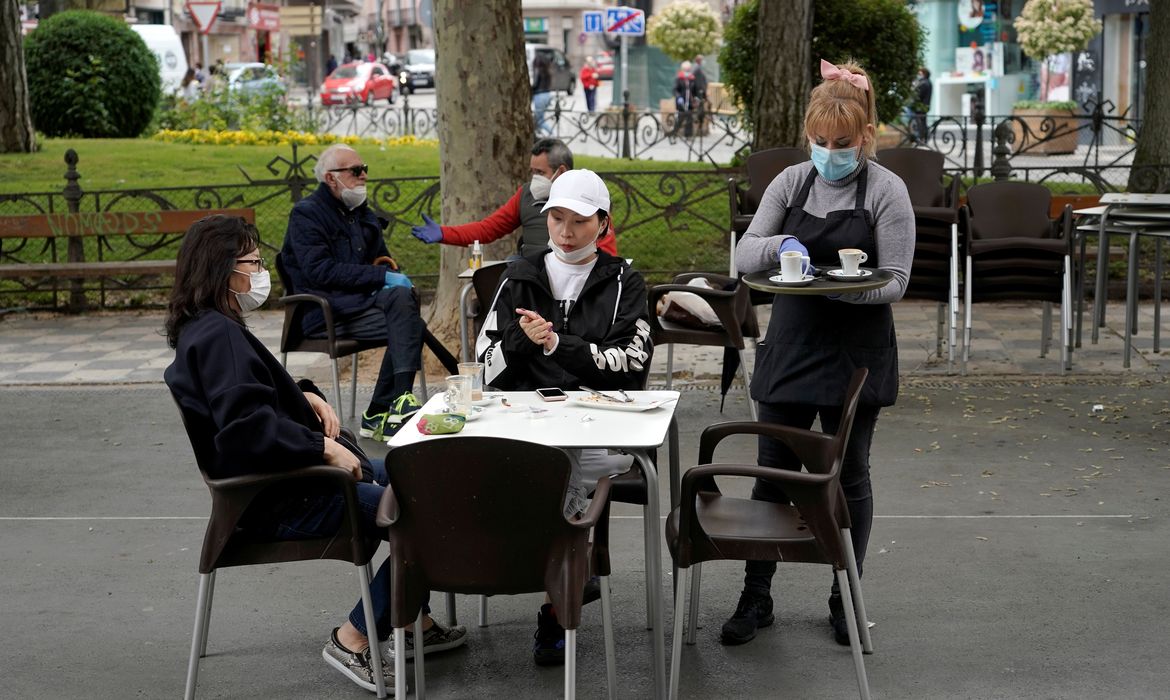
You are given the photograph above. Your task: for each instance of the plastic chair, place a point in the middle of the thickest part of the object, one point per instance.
(736, 315)
(709, 526)
(762, 167)
(294, 339)
(226, 544)
(483, 515)
(934, 273)
(1015, 251)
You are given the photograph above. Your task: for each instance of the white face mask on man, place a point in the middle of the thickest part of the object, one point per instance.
(352, 197)
(255, 297)
(541, 187)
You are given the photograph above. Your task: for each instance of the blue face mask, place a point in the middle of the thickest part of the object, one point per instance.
(835, 164)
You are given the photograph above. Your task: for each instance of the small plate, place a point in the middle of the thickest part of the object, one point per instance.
(488, 399)
(634, 406)
(802, 282)
(842, 277)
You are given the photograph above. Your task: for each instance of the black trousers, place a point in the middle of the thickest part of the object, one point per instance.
(395, 317)
(854, 475)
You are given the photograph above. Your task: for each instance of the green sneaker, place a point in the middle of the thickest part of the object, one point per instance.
(403, 408)
(373, 426)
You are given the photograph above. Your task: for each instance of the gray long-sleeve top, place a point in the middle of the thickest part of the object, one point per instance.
(885, 198)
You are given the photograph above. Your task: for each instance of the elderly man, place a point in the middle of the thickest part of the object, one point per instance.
(550, 158)
(331, 248)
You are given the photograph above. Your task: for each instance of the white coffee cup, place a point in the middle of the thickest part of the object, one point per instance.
(851, 259)
(793, 266)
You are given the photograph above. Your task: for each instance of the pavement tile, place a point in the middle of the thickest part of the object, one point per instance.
(41, 367)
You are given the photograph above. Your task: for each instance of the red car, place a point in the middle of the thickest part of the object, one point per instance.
(605, 65)
(359, 82)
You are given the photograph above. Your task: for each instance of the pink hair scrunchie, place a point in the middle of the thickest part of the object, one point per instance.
(831, 72)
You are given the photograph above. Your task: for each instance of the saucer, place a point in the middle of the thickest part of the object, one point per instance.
(839, 275)
(780, 282)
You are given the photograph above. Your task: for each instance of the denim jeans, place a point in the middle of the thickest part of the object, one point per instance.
(854, 475)
(539, 106)
(396, 318)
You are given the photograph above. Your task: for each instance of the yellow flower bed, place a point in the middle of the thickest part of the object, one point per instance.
(279, 138)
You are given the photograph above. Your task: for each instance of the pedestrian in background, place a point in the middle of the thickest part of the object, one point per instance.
(331, 65)
(590, 79)
(922, 94)
(189, 86)
(684, 87)
(700, 81)
(541, 92)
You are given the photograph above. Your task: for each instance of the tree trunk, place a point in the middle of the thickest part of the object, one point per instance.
(16, 129)
(485, 131)
(1153, 147)
(782, 81)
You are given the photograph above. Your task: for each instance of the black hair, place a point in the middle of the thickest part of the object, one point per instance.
(558, 153)
(205, 262)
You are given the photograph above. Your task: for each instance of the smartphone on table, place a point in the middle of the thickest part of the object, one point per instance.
(552, 394)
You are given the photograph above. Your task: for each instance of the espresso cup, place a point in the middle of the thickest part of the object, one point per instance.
(475, 371)
(851, 259)
(793, 266)
(458, 394)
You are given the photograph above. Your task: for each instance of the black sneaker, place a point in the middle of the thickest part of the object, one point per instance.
(548, 649)
(592, 590)
(753, 612)
(837, 620)
(372, 426)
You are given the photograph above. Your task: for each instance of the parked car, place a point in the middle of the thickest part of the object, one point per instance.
(253, 78)
(563, 77)
(419, 65)
(605, 65)
(359, 82)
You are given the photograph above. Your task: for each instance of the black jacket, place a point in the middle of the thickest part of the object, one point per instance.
(329, 251)
(604, 339)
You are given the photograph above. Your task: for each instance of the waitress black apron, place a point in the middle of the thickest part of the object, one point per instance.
(814, 344)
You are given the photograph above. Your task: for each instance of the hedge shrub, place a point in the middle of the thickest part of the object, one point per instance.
(90, 75)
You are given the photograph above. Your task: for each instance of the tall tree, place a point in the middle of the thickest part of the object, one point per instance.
(1153, 146)
(16, 129)
(782, 79)
(485, 130)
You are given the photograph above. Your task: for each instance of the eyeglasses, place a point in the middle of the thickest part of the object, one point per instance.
(253, 261)
(355, 170)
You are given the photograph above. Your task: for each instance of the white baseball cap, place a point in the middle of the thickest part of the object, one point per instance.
(580, 190)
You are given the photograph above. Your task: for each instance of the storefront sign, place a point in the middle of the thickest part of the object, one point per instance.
(1120, 7)
(264, 17)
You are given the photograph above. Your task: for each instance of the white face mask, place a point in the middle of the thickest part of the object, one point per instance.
(256, 296)
(579, 255)
(541, 187)
(353, 197)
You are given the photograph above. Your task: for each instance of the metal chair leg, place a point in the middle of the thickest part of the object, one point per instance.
(1045, 328)
(207, 614)
(483, 611)
(420, 682)
(451, 619)
(1066, 318)
(607, 630)
(680, 604)
(353, 389)
(336, 384)
(967, 284)
(693, 615)
(747, 386)
(855, 586)
(422, 384)
(372, 632)
(854, 641)
(400, 663)
(669, 365)
(570, 664)
(1157, 295)
(940, 323)
(197, 635)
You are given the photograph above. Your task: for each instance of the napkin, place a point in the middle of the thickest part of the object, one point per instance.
(441, 423)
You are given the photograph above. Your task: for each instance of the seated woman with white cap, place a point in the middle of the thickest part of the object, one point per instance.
(568, 317)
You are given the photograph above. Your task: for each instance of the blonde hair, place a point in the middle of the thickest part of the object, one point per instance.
(838, 104)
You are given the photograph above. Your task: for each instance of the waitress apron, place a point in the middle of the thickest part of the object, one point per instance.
(813, 343)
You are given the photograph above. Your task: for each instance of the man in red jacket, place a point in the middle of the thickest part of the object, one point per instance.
(550, 158)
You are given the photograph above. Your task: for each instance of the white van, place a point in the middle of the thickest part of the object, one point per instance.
(163, 42)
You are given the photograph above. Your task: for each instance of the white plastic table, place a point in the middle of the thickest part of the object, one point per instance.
(567, 424)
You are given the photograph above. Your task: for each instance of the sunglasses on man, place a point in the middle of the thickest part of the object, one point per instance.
(355, 170)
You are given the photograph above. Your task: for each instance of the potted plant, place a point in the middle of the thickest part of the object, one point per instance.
(1045, 29)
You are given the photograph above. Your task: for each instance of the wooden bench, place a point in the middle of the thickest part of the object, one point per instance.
(164, 227)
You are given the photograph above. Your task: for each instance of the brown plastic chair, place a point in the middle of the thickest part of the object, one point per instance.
(483, 515)
(1014, 251)
(736, 315)
(294, 339)
(226, 544)
(934, 273)
(709, 526)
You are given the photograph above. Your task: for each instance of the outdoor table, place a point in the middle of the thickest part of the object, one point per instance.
(465, 314)
(568, 424)
(820, 285)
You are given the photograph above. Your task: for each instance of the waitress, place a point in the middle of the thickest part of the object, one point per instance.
(841, 199)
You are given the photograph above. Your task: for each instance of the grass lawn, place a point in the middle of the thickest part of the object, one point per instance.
(133, 163)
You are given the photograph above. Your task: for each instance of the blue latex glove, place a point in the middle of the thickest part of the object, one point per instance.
(397, 279)
(428, 232)
(791, 243)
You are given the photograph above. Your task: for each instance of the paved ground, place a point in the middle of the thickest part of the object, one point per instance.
(1018, 552)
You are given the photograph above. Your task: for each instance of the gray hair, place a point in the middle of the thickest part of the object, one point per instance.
(328, 160)
(558, 153)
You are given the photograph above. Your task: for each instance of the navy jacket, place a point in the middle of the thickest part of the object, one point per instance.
(254, 414)
(329, 251)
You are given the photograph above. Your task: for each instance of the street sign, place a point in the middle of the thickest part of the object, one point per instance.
(264, 17)
(594, 22)
(204, 14)
(625, 20)
(301, 20)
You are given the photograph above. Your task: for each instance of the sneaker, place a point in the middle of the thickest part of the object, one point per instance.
(372, 426)
(438, 638)
(753, 612)
(402, 409)
(548, 649)
(592, 590)
(837, 620)
(357, 666)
